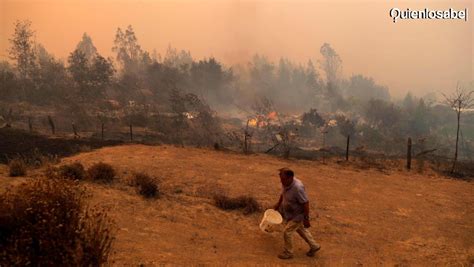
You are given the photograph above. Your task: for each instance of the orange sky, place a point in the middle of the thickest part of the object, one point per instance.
(420, 56)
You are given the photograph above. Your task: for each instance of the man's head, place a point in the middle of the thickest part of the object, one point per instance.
(286, 176)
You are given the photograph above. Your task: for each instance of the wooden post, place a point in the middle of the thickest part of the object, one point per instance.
(9, 118)
(51, 123)
(102, 131)
(74, 130)
(30, 125)
(131, 133)
(347, 147)
(324, 147)
(409, 154)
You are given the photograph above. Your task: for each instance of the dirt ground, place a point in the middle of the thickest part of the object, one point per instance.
(360, 217)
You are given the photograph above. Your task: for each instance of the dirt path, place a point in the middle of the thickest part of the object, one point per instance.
(364, 216)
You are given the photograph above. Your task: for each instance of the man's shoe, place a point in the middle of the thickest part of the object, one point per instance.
(285, 256)
(313, 251)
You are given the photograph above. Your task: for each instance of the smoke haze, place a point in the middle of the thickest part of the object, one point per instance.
(418, 56)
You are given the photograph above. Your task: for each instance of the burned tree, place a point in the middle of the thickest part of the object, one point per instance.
(459, 101)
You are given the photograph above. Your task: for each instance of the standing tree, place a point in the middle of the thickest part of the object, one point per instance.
(22, 48)
(460, 100)
(90, 76)
(129, 52)
(87, 47)
(22, 51)
(332, 66)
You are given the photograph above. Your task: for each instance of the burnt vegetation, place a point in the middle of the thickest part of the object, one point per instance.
(285, 108)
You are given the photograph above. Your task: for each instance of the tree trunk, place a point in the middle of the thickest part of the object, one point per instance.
(457, 140)
(102, 131)
(409, 154)
(131, 132)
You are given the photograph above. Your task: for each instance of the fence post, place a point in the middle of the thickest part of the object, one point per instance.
(51, 123)
(30, 125)
(347, 147)
(74, 130)
(409, 154)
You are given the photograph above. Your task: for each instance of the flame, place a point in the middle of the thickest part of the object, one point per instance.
(253, 122)
(272, 115)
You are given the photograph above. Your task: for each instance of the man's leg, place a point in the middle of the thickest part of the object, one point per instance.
(290, 229)
(306, 235)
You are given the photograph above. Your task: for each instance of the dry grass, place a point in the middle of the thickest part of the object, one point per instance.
(359, 216)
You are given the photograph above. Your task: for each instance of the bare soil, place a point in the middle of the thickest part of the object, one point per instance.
(359, 216)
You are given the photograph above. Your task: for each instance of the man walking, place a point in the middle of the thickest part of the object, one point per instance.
(294, 206)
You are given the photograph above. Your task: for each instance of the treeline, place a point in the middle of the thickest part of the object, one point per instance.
(134, 74)
(88, 81)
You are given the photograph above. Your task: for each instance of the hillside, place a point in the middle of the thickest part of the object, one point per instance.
(360, 217)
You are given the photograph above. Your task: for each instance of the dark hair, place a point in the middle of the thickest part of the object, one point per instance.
(287, 172)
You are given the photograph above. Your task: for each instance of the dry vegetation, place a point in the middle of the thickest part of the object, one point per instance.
(366, 216)
(74, 171)
(101, 172)
(17, 167)
(146, 185)
(247, 204)
(45, 222)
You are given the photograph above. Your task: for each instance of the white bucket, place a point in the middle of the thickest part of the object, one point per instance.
(271, 218)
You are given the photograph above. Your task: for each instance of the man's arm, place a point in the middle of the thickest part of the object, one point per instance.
(277, 206)
(306, 215)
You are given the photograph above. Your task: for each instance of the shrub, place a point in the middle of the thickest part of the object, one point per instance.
(247, 203)
(146, 185)
(73, 171)
(17, 167)
(44, 223)
(101, 172)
